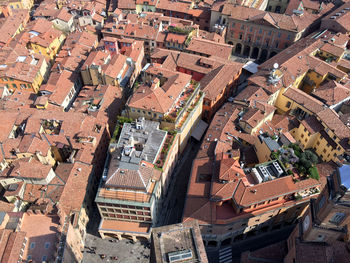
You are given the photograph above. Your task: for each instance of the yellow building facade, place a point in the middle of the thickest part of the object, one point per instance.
(51, 50)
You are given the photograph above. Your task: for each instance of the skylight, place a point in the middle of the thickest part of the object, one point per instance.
(21, 58)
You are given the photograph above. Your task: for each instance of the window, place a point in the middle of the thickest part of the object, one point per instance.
(249, 38)
(32, 245)
(29, 257)
(318, 143)
(302, 135)
(14, 85)
(289, 37)
(240, 36)
(337, 218)
(47, 245)
(270, 32)
(260, 31)
(288, 104)
(233, 24)
(324, 150)
(242, 27)
(44, 258)
(279, 35)
(251, 29)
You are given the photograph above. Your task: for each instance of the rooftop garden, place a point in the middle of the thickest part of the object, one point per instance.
(297, 161)
(180, 30)
(119, 127)
(189, 109)
(165, 150)
(51, 126)
(181, 104)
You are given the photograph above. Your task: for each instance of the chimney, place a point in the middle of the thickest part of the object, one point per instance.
(69, 54)
(69, 142)
(59, 67)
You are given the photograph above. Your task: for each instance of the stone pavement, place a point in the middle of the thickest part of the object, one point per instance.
(124, 250)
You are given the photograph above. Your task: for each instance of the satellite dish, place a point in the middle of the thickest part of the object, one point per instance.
(275, 65)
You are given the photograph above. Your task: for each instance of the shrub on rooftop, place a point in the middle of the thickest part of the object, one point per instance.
(122, 120)
(314, 173)
(179, 30)
(296, 148)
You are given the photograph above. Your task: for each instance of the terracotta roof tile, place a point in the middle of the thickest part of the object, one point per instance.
(331, 119)
(303, 99)
(312, 124)
(218, 79)
(332, 93)
(160, 99)
(210, 48)
(75, 189)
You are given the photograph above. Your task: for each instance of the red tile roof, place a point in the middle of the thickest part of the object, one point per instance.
(160, 99)
(332, 92)
(209, 48)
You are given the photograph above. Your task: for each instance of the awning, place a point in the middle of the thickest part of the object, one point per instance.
(199, 130)
(251, 67)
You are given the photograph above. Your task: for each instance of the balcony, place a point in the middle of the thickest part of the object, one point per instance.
(180, 106)
(306, 193)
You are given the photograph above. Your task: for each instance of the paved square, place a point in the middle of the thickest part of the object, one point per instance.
(124, 250)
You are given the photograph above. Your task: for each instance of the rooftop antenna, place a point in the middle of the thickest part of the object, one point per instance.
(273, 78)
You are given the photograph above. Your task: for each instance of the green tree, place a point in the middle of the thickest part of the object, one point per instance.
(310, 156)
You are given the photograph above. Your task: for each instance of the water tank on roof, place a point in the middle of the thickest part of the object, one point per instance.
(265, 174)
(256, 176)
(278, 168)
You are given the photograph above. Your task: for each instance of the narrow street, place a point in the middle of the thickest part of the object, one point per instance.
(177, 191)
